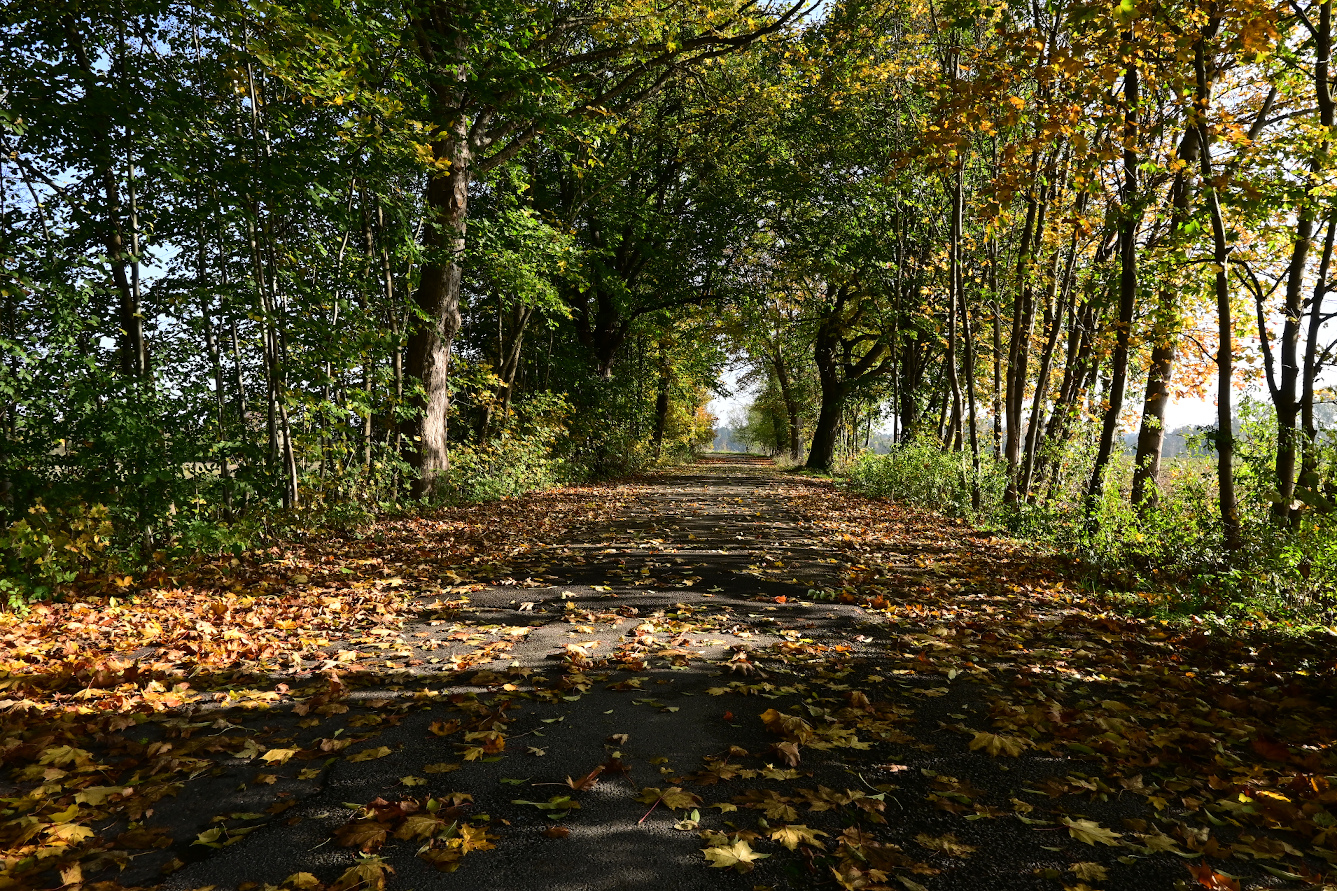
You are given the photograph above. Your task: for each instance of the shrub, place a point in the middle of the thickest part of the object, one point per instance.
(49, 548)
(922, 474)
(519, 459)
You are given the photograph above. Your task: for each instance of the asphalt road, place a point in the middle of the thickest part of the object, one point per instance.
(701, 583)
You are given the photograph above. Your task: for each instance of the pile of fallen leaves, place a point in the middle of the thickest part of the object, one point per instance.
(1228, 738)
(175, 656)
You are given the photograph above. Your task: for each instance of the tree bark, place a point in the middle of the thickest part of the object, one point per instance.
(662, 386)
(132, 347)
(791, 406)
(1308, 478)
(1165, 337)
(1130, 217)
(1286, 398)
(1018, 357)
(1225, 435)
(438, 302)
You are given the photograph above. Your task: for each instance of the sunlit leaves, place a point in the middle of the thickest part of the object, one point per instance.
(738, 855)
(1091, 833)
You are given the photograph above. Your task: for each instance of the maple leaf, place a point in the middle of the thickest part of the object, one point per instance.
(792, 836)
(790, 726)
(68, 833)
(1089, 872)
(474, 838)
(1091, 832)
(789, 752)
(96, 796)
(673, 798)
(444, 859)
(947, 844)
(1160, 842)
(62, 756)
(367, 874)
(586, 782)
(1209, 878)
(365, 834)
(420, 826)
(278, 756)
(301, 881)
(996, 744)
(370, 754)
(776, 806)
(556, 803)
(739, 855)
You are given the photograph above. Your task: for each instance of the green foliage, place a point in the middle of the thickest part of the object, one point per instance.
(923, 474)
(518, 460)
(1167, 559)
(49, 548)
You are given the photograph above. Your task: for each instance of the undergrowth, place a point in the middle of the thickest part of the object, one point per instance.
(1167, 559)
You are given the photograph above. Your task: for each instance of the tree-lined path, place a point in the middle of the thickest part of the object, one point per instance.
(719, 664)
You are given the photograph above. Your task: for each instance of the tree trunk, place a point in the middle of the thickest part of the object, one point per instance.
(791, 406)
(662, 386)
(822, 454)
(823, 451)
(1018, 358)
(1054, 320)
(438, 300)
(1165, 337)
(1308, 479)
(997, 350)
(953, 374)
(132, 347)
(1131, 215)
(1287, 399)
(1225, 355)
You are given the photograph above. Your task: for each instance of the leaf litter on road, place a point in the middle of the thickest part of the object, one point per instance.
(868, 660)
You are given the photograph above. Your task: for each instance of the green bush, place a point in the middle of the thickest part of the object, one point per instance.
(509, 465)
(48, 549)
(519, 459)
(922, 474)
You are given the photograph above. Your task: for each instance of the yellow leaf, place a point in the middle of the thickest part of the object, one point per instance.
(69, 833)
(420, 826)
(367, 875)
(1089, 872)
(370, 754)
(996, 744)
(793, 836)
(1090, 832)
(947, 844)
(278, 756)
(96, 796)
(739, 855)
(673, 797)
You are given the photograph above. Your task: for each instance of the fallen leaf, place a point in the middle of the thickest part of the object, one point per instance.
(739, 855)
(1091, 833)
(370, 754)
(947, 844)
(792, 836)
